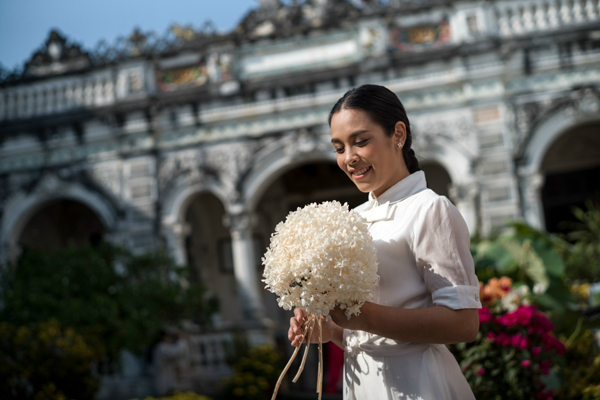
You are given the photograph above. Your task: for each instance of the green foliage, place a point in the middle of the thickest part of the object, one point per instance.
(533, 258)
(515, 354)
(180, 396)
(582, 370)
(114, 299)
(583, 255)
(45, 362)
(255, 374)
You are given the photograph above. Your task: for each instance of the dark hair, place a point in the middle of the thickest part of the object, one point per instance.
(385, 109)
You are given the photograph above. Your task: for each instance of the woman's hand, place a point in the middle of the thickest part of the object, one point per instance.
(355, 322)
(297, 327)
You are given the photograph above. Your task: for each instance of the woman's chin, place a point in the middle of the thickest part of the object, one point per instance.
(363, 187)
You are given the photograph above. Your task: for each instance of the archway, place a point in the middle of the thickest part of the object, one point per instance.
(208, 252)
(571, 169)
(311, 181)
(59, 223)
(438, 178)
(307, 183)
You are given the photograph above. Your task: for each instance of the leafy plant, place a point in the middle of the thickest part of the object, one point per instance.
(582, 254)
(255, 374)
(515, 352)
(582, 369)
(532, 258)
(45, 361)
(113, 298)
(180, 396)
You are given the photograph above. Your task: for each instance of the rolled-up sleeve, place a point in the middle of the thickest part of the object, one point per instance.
(441, 244)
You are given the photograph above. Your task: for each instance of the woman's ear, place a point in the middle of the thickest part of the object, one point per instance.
(400, 133)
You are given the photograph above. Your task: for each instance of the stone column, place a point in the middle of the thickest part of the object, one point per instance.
(239, 222)
(258, 329)
(531, 185)
(175, 235)
(9, 252)
(465, 196)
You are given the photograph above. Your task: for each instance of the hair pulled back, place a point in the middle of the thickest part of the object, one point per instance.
(385, 109)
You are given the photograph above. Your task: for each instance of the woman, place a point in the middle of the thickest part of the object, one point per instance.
(428, 293)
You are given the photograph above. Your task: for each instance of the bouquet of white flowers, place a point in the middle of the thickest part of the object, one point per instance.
(320, 258)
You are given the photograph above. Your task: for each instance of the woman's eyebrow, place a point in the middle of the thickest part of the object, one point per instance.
(352, 135)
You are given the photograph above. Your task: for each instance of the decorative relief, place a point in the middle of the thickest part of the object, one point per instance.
(457, 128)
(420, 37)
(186, 163)
(306, 141)
(229, 162)
(108, 177)
(232, 163)
(217, 67)
(526, 116)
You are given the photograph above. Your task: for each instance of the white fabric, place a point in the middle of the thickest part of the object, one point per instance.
(424, 260)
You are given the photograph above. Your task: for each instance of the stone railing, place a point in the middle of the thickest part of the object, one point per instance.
(515, 18)
(201, 372)
(55, 97)
(209, 356)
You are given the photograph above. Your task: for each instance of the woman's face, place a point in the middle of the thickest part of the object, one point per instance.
(370, 158)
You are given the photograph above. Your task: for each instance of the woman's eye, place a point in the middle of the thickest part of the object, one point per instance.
(339, 149)
(362, 142)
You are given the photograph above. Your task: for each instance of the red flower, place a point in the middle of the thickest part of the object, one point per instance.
(536, 351)
(491, 336)
(525, 363)
(481, 371)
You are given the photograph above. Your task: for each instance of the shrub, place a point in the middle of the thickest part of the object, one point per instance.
(255, 374)
(582, 369)
(44, 361)
(180, 396)
(112, 307)
(515, 351)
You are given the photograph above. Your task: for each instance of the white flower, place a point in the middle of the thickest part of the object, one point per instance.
(514, 297)
(321, 257)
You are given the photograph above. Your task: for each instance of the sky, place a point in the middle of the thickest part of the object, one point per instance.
(25, 24)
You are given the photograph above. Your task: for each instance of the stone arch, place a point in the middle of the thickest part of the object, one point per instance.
(174, 207)
(22, 206)
(530, 168)
(277, 160)
(458, 164)
(545, 133)
(438, 178)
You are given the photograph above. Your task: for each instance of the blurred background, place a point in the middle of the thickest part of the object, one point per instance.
(149, 148)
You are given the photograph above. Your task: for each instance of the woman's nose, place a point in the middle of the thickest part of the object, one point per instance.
(351, 157)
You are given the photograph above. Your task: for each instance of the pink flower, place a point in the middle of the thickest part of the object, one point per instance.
(491, 336)
(524, 343)
(484, 315)
(536, 351)
(481, 371)
(515, 340)
(542, 323)
(503, 339)
(525, 363)
(545, 366)
(545, 395)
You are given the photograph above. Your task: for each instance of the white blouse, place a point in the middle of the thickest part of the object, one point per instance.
(422, 245)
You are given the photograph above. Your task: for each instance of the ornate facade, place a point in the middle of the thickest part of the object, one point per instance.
(201, 142)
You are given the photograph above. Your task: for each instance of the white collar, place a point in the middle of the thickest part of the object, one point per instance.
(378, 209)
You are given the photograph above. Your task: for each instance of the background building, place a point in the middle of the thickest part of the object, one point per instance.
(202, 142)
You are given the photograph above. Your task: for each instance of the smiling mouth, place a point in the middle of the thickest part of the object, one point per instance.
(359, 173)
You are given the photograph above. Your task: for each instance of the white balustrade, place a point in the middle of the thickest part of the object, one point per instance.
(209, 353)
(523, 17)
